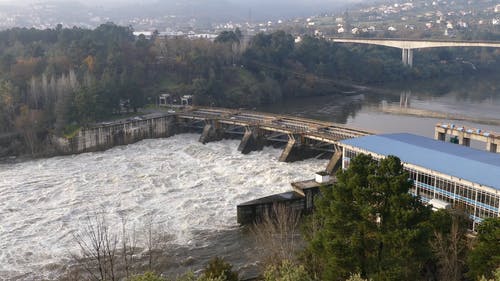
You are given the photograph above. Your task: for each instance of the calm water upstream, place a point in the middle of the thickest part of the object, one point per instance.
(473, 98)
(193, 189)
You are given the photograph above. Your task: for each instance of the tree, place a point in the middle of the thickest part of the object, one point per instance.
(148, 276)
(496, 278)
(286, 271)
(369, 223)
(27, 123)
(484, 258)
(7, 106)
(229, 36)
(356, 277)
(217, 267)
(449, 243)
(277, 235)
(98, 248)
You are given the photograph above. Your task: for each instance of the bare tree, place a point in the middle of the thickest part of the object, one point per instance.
(155, 240)
(450, 248)
(97, 248)
(277, 234)
(129, 248)
(151, 239)
(106, 254)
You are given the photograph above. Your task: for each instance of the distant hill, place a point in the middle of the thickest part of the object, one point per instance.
(222, 10)
(90, 13)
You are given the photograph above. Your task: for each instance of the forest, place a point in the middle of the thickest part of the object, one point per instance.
(57, 80)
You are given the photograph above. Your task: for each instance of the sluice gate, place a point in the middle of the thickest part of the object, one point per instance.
(300, 138)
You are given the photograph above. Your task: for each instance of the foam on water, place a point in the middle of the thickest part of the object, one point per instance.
(189, 187)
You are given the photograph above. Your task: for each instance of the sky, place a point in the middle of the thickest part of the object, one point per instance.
(312, 2)
(214, 9)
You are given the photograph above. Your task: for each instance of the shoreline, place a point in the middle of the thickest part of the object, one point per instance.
(397, 110)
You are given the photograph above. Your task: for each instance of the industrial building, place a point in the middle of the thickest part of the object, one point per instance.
(441, 172)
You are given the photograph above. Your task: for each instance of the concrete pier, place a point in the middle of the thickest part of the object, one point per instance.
(290, 150)
(252, 141)
(407, 56)
(335, 162)
(211, 132)
(297, 150)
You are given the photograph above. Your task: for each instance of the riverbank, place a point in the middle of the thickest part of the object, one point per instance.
(407, 111)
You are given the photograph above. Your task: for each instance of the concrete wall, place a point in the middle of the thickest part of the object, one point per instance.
(107, 136)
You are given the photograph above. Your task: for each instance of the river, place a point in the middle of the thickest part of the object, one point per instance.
(476, 99)
(191, 189)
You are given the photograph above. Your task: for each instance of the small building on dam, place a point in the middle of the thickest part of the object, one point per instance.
(443, 173)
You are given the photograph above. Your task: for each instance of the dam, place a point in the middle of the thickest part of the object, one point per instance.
(300, 138)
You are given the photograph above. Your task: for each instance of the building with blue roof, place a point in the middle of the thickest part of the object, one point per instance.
(441, 171)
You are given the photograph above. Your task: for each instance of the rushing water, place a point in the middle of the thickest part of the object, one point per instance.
(192, 190)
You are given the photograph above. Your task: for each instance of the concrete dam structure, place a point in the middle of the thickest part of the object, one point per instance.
(300, 138)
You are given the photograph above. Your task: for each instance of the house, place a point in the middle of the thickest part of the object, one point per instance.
(164, 100)
(187, 100)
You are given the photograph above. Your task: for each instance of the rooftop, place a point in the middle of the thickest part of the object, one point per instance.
(462, 162)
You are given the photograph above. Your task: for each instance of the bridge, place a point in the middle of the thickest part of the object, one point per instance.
(300, 137)
(407, 46)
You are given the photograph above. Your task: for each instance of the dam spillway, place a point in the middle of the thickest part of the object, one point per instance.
(300, 138)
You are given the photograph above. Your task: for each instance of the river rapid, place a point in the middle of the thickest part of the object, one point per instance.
(191, 190)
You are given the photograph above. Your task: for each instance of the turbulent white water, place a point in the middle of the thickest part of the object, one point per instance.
(189, 187)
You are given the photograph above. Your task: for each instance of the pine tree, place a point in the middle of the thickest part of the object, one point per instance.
(370, 224)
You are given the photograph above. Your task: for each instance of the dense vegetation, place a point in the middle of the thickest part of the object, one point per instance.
(368, 223)
(55, 80)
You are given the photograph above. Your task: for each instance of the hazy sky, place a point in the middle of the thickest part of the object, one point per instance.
(220, 9)
(313, 2)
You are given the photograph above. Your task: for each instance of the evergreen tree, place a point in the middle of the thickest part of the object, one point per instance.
(369, 223)
(484, 258)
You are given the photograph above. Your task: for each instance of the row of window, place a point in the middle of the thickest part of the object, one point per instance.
(479, 203)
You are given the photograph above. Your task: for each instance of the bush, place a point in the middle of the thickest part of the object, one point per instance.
(218, 268)
(286, 271)
(148, 276)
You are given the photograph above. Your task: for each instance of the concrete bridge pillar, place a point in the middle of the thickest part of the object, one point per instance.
(212, 132)
(407, 56)
(410, 57)
(252, 141)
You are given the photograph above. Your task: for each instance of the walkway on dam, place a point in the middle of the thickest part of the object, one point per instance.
(301, 138)
(328, 132)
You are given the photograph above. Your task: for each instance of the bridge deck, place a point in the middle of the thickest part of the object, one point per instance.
(313, 129)
(416, 43)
